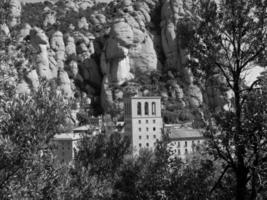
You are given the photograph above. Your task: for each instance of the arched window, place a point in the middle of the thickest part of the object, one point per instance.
(146, 108)
(139, 108)
(153, 108)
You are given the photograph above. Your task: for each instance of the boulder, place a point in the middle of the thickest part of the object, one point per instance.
(50, 18)
(15, 8)
(143, 57)
(70, 48)
(65, 83)
(4, 31)
(72, 69)
(70, 5)
(82, 24)
(45, 64)
(195, 96)
(139, 36)
(24, 32)
(58, 46)
(86, 4)
(172, 12)
(120, 70)
(14, 12)
(37, 38)
(114, 50)
(131, 21)
(101, 18)
(123, 33)
(33, 79)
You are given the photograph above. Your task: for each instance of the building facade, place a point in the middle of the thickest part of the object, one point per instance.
(184, 140)
(65, 146)
(143, 121)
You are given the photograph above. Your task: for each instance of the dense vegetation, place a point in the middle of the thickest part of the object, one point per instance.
(224, 40)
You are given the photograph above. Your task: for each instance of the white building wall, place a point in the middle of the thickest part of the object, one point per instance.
(184, 147)
(144, 128)
(64, 150)
(146, 132)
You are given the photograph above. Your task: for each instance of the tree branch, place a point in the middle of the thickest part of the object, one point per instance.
(220, 178)
(225, 75)
(248, 90)
(252, 58)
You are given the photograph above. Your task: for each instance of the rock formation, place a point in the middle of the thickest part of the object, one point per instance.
(14, 12)
(105, 51)
(65, 83)
(129, 47)
(50, 17)
(46, 66)
(58, 46)
(172, 13)
(4, 32)
(24, 31)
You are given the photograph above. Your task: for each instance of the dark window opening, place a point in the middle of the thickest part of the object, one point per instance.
(146, 108)
(139, 108)
(153, 108)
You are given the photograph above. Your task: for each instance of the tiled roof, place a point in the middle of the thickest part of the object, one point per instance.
(67, 136)
(82, 128)
(145, 97)
(185, 133)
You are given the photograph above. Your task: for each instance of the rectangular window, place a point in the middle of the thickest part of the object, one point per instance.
(154, 121)
(153, 108)
(147, 128)
(140, 145)
(186, 151)
(140, 137)
(146, 108)
(147, 144)
(185, 143)
(147, 121)
(140, 129)
(139, 121)
(179, 152)
(154, 136)
(147, 137)
(178, 144)
(139, 108)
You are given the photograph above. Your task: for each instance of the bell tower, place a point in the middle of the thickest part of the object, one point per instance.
(143, 121)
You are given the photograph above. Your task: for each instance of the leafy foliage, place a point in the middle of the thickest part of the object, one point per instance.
(229, 38)
(27, 124)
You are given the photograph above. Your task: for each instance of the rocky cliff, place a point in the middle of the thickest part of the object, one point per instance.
(104, 52)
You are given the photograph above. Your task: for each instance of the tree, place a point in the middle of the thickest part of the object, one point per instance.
(230, 38)
(27, 125)
(96, 165)
(160, 175)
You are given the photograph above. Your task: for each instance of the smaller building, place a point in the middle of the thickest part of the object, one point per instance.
(87, 129)
(65, 146)
(184, 140)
